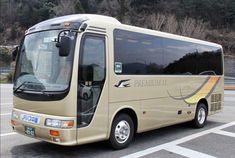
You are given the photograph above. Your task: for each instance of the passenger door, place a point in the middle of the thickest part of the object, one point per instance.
(92, 97)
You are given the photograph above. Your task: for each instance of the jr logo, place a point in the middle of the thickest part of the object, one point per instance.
(123, 84)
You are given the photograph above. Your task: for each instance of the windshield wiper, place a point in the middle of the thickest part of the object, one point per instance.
(28, 82)
(22, 84)
(43, 92)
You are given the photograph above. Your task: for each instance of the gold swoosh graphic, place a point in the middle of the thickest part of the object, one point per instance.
(204, 91)
(190, 95)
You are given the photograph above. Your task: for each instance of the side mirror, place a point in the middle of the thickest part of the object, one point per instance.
(64, 45)
(14, 53)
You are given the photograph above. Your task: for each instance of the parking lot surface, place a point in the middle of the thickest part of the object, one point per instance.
(216, 139)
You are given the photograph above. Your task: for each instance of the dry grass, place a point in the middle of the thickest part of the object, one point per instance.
(3, 78)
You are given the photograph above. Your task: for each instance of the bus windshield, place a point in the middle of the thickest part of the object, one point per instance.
(39, 66)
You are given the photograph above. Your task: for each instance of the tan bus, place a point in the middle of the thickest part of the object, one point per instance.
(86, 78)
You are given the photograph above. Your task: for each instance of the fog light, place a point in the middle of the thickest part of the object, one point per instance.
(13, 123)
(55, 139)
(54, 133)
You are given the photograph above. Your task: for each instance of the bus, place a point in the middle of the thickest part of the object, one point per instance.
(85, 78)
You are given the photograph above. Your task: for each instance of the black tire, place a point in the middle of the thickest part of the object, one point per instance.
(197, 122)
(115, 141)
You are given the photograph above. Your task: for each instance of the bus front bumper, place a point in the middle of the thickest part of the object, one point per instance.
(38, 130)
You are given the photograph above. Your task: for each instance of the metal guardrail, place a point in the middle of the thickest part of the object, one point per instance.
(229, 83)
(5, 70)
(229, 78)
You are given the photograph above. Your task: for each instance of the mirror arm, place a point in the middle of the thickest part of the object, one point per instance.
(66, 30)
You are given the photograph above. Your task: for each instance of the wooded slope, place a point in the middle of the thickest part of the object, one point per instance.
(212, 20)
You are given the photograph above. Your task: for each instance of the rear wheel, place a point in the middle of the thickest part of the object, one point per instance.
(122, 131)
(200, 116)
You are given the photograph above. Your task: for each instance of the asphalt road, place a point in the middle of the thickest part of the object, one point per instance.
(216, 139)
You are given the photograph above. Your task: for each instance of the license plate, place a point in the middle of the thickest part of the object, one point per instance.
(30, 131)
(30, 118)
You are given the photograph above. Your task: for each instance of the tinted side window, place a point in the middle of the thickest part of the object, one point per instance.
(137, 53)
(179, 57)
(188, 58)
(209, 60)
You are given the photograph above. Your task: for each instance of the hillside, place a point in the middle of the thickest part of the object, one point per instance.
(212, 20)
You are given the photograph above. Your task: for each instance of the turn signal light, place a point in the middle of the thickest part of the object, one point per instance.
(66, 24)
(54, 133)
(67, 124)
(13, 123)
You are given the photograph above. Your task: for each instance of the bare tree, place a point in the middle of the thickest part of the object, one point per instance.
(187, 26)
(161, 22)
(109, 7)
(171, 24)
(168, 23)
(156, 21)
(193, 28)
(7, 11)
(66, 7)
(120, 9)
(200, 30)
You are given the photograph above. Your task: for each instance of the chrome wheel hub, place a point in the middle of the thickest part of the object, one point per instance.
(122, 131)
(201, 115)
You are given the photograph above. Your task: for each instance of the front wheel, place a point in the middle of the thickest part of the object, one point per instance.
(122, 131)
(200, 116)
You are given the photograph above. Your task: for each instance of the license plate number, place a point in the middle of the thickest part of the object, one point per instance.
(30, 131)
(30, 118)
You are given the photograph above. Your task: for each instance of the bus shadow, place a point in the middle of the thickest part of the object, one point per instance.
(102, 149)
(44, 149)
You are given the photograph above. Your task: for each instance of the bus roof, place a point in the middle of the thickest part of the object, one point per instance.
(77, 19)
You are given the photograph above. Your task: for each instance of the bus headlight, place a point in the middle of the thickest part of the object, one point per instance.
(59, 123)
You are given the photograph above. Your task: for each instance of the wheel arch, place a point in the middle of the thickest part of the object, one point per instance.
(205, 102)
(126, 110)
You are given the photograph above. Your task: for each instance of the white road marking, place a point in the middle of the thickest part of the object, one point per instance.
(6, 85)
(5, 104)
(229, 92)
(4, 98)
(230, 134)
(4, 114)
(187, 152)
(176, 142)
(229, 99)
(8, 134)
